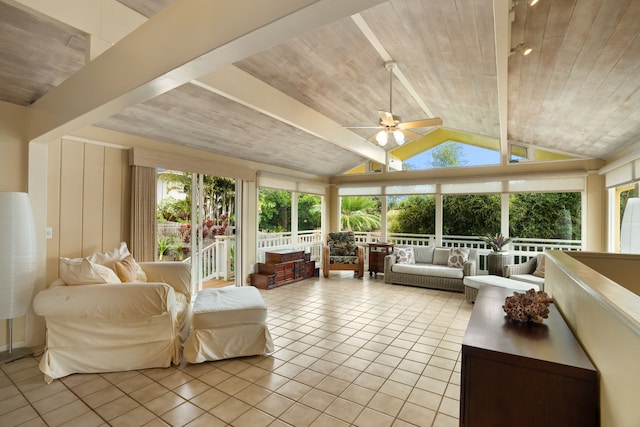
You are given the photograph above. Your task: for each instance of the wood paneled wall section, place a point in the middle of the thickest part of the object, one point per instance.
(88, 200)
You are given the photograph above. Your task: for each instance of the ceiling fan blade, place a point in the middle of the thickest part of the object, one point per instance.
(362, 127)
(410, 136)
(386, 118)
(436, 121)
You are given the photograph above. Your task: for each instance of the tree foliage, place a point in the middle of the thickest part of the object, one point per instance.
(359, 213)
(532, 215)
(470, 214)
(414, 215)
(309, 212)
(173, 210)
(219, 195)
(546, 215)
(274, 210)
(447, 154)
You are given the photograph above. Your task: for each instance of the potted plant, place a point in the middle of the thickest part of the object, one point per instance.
(498, 258)
(496, 241)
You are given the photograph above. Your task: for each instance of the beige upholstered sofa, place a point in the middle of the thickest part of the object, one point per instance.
(431, 267)
(114, 326)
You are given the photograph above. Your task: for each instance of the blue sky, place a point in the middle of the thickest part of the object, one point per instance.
(474, 156)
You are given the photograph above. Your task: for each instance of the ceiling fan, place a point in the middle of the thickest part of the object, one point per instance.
(392, 126)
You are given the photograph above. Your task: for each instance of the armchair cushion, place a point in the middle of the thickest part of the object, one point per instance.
(343, 259)
(342, 253)
(539, 272)
(342, 243)
(127, 269)
(109, 258)
(81, 271)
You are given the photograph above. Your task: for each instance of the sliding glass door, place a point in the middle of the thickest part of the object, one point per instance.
(196, 223)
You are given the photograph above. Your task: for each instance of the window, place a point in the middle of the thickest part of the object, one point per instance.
(545, 216)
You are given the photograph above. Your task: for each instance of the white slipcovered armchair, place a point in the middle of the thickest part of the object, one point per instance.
(107, 327)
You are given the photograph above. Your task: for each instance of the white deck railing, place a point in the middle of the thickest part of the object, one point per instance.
(217, 258)
(308, 240)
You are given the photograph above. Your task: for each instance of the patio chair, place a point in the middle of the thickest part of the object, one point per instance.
(342, 253)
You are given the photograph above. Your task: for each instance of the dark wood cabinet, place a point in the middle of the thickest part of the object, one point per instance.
(523, 374)
(283, 267)
(377, 252)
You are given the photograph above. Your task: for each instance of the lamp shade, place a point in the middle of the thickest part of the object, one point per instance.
(17, 254)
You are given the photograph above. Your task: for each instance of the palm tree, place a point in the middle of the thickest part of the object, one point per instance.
(356, 214)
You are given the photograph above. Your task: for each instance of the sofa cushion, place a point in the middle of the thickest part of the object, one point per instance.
(539, 267)
(441, 256)
(458, 257)
(405, 255)
(81, 271)
(528, 278)
(429, 270)
(423, 254)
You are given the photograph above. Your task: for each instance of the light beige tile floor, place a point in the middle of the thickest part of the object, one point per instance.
(348, 352)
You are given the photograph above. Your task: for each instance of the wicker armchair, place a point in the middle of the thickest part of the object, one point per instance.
(527, 267)
(342, 253)
(531, 271)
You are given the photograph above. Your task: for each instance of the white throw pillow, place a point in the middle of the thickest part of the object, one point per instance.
(458, 257)
(119, 254)
(405, 255)
(81, 271)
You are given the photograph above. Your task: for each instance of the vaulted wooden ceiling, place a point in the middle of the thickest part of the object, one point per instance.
(287, 103)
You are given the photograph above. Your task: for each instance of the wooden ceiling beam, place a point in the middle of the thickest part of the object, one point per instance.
(184, 41)
(239, 86)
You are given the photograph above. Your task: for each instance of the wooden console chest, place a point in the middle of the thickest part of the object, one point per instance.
(516, 374)
(283, 267)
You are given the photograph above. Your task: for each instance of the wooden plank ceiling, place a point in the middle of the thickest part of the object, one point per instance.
(577, 92)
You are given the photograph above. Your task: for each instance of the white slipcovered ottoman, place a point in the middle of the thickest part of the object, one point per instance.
(472, 284)
(228, 322)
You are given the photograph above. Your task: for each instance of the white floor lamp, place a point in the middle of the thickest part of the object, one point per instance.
(17, 263)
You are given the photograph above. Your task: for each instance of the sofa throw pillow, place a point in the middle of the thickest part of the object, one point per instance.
(81, 271)
(440, 256)
(109, 258)
(457, 257)
(126, 269)
(405, 255)
(539, 267)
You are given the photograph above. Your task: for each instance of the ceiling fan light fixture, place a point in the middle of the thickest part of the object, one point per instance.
(382, 138)
(398, 136)
(522, 48)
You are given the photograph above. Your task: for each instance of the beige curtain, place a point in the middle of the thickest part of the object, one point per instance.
(143, 213)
